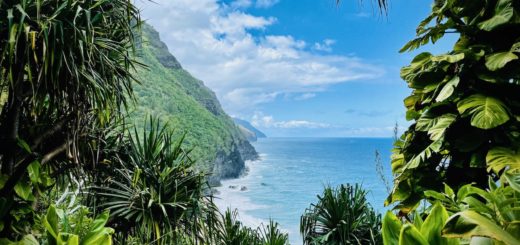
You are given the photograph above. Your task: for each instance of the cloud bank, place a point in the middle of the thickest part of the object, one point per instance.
(266, 121)
(228, 49)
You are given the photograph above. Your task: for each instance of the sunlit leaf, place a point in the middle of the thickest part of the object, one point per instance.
(410, 235)
(391, 229)
(500, 157)
(499, 60)
(468, 224)
(486, 112)
(24, 190)
(448, 89)
(503, 13)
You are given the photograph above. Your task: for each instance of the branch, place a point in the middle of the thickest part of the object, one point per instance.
(57, 127)
(49, 156)
(22, 168)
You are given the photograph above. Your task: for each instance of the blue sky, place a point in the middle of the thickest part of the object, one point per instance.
(298, 68)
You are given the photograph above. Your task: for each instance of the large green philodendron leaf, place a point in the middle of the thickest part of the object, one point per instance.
(499, 158)
(451, 58)
(433, 148)
(391, 229)
(419, 61)
(503, 13)
(513, 180)
(486, 112)
(448, 89)
(435, 126)
(410, 235)
(468, 224)
(499, 60)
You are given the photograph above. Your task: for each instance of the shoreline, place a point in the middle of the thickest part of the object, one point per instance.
(232, 194)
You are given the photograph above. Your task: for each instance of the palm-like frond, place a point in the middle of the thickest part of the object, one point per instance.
(341, 216)
(157, 187)
(271, 234)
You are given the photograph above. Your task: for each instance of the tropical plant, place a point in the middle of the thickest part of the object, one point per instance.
(65, 67)
(65, 228)
(156, 190)
(465, 104)
(175, 96)
(230, 231)
(492, 214)
(70, 226)
(419, 231)
(233, 232)
(342, 215)
(271, 234)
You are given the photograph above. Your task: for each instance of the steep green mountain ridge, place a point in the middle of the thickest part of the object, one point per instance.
(251, 133)
(174, 95)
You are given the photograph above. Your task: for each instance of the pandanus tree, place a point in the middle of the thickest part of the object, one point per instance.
(342, 215)
(156, 190)
(65, 70)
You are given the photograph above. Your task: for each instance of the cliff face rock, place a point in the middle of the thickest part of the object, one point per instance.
(247, 151)
(232, 165)
(251, 133)
(165, 58)
(171, 93)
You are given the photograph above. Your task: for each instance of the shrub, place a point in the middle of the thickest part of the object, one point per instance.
(341, 216)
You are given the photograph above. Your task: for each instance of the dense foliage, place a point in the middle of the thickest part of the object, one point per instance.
(233, 232)
(65, 71)
(66, 76)
(156, 187)
(464, 104)
(465, 137)
(341, 216)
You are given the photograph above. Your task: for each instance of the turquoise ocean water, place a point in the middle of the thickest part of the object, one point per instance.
(292, 171)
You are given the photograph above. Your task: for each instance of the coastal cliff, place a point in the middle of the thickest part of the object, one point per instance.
(171, 93)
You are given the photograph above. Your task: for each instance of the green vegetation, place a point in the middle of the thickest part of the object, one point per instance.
(460, 157)
(171, 93)
(67, 74)
(465, 108)
(341, 216)
(64, 78)
(156, 187)
(232, 232)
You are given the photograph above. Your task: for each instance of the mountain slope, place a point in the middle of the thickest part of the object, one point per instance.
(249, 130)
(172, 94)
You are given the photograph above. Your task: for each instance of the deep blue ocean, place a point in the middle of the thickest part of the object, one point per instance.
(292, 171)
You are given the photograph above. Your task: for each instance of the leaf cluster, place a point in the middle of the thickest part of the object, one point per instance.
(464, 104)
(342, 215)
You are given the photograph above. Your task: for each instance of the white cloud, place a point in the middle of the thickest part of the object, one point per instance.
(241, 4)
(266, 3)
(267, 121)
(326, 45)
(215, 43)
